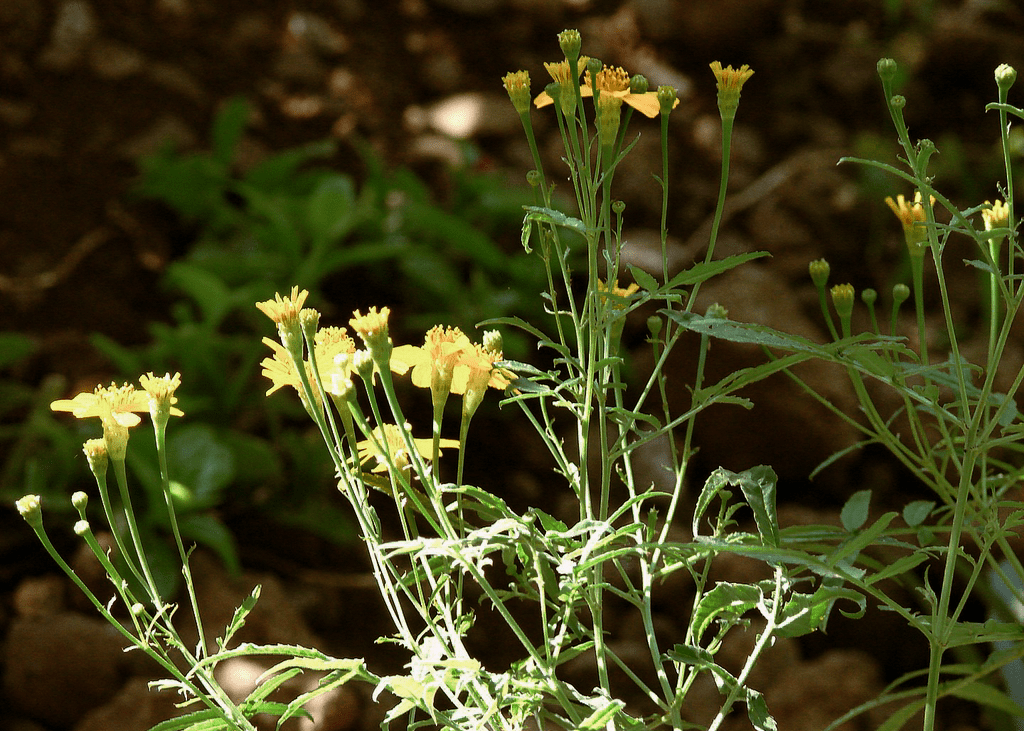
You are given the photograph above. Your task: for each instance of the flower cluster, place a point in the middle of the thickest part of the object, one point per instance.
(118, 407)
(447, 363)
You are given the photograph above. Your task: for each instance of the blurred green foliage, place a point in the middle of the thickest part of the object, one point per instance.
(289, 220)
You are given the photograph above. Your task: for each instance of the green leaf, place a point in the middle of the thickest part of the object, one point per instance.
(14, 347)
(602, 716)
(642, 278)
(203, 465)
(758, 486)
(915, 513)
(330, 209)
(228, 127)
(554, 218)
(731, 600)
(706, 270)
(987, 695)
(855, 512)
(207, 529)
(757, 712)
(193, 721)
(850, 548)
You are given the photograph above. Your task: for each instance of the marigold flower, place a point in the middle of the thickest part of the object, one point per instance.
(517, 84)
(160, 390)
(114, 403)
(912, 217)
(284, 309)
(998, 216)
(434, 362)
(285, 313)
(730, 82)
(280, 368)
(373, 330)
(730, 79)
(612, 81)
(624, 292)
(391, 440)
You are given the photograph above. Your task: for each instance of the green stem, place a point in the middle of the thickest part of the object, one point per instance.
(160, 430)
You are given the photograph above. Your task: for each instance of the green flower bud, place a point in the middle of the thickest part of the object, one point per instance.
(638, 84)
(492, 341)
(886, 69)
(654, 325)
(900, 294)
(667, 98)
(898, 101)
(80, 500)
(81, 527)
(570, 42)
(819, 270)
(31, 509)
(618, 207)
(842, 298)
(869, 297)
(1005, 76)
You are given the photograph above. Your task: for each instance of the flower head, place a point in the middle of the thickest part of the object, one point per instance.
(475, 373)
(613, 81)
(617, 291)
(372, 328)
(117, 408)
(433, 363)
(109, 403)
(387, 446)
(998, 216)
(912, 217)
(730, 79)
(96, 453)
(160, 390)
(730, 82)
(284, 311)
(31, 509)
(517, 84)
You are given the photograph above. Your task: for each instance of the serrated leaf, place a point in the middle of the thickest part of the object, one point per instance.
(731, 600)
(643, 279)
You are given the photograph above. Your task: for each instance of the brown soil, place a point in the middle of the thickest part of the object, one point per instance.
(87, 86)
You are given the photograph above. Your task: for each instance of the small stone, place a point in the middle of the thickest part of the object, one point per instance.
(114, 61)
(73, 30)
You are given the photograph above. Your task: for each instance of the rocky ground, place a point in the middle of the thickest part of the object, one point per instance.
(89, 86)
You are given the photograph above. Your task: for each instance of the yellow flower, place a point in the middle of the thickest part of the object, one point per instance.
(372, 328)
(562, 73)
(998, 216)
(115, 406)
(280, 368)
(329, 343)
(391, 441)
(285, 313)
(435, 360)
(618, 291)
(731, 80)
(517, 84)
(611, 81)
(912, 217)
(161, 396)
(333, 349)
(284, 310)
